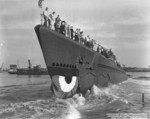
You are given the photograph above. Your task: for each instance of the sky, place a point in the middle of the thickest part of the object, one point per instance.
(122, 25)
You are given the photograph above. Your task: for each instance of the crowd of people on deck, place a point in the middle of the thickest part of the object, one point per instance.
(64, 28)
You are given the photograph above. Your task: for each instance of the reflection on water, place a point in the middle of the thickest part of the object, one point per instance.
(12, 79)
(33, 99)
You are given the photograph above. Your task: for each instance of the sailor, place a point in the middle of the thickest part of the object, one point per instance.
(72, 31)
(45, 14)
(88, 38)
(76, 35)
(57, 23)
(52, 20)
(68, 30)
(92, 43)
(114, 57)
(85, 41)
(103, 52)
(106, 53)
(88, 41)
(118, 64)
(62, 28)
(81, 38)
(98, 49)
(110, 54)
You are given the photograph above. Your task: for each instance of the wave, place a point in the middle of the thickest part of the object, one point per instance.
(99, 97)
(59, 108)
(100, 100)
(44, 109)
(73, 103)
(112, 92)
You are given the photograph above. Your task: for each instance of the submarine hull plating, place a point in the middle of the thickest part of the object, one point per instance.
(68, 58)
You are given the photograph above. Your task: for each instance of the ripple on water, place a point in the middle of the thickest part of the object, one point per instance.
(45, 109)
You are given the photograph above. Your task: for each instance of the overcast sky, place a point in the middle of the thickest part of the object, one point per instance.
(123, 25)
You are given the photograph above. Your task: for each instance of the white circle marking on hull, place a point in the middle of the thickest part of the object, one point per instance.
(65, 87)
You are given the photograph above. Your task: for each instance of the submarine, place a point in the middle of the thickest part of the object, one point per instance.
(73, 67)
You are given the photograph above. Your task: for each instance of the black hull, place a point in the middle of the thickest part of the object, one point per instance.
(62, 56)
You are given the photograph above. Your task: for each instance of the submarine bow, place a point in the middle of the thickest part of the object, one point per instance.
(73, 67)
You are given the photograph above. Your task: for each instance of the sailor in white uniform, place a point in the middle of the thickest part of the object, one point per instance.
(52, 20)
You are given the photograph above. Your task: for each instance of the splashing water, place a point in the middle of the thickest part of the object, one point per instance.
(73, 104)
(73, 113)
(45, 109)
(110, 92)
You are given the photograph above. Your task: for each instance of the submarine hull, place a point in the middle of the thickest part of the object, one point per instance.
(66, 57)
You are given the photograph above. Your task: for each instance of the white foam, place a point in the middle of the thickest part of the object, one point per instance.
(95, 90)
(102, 91)
(73, 113)
(79, 100)
(72, 105)
(108, 92)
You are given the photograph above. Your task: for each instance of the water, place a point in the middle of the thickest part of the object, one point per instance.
(30, 98)
(9, 79)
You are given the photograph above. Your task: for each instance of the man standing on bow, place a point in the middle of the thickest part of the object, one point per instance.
(45, 14)
(52, 20)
